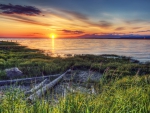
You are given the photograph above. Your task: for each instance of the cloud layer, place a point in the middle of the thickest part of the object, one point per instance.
(72, 32)
(120, 28)
(76, 14)
(105, 24)
(19, 9)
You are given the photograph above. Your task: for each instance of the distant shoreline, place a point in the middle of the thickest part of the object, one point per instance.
(76, 38)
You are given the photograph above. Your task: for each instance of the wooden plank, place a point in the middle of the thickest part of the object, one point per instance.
(36, 87)
(41, 91)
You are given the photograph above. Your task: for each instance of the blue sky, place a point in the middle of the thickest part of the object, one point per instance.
(83, 17)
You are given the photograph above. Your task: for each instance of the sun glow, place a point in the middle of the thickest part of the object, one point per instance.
(52, 36)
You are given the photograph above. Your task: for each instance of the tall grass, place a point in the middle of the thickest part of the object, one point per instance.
(127, 95)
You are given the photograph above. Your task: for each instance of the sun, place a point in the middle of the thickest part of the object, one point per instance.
(52, 35)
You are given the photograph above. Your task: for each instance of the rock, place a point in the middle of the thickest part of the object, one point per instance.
(13, 73)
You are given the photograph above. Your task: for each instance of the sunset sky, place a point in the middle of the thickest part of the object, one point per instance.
(74, 18)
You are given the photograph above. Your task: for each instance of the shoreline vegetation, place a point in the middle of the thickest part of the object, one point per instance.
(122, 84)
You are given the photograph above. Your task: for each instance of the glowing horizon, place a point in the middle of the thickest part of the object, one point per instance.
(74, 19)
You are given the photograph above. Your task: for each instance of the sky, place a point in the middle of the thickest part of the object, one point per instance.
(74, 18)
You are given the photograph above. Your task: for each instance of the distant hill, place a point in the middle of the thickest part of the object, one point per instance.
(142, 37)
(111, 36)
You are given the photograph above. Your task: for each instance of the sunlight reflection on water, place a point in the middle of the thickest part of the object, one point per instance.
(138, 49)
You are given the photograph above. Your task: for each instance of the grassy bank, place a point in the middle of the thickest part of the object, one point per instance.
(32, 63)
(124, 87)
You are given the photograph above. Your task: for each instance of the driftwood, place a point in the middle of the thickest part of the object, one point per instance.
(28, 80)
(36, 87)
(41, 91)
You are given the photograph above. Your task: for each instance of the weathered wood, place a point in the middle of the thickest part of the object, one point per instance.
(36, 87)
(28, 80)
(41, 91)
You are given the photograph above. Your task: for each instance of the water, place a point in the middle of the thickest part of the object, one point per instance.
(138, 49)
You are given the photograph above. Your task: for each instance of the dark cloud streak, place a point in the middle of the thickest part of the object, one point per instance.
(25, 20)
(19, 9)
(15, 12)
(72, 32)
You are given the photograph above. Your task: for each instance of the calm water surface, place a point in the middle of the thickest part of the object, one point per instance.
(138, 49)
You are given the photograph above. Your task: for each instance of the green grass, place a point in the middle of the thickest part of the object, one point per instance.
(33, 63)
(121, 89)
(126, 95)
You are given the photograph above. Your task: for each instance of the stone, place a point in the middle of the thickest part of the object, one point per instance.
(13, 73)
